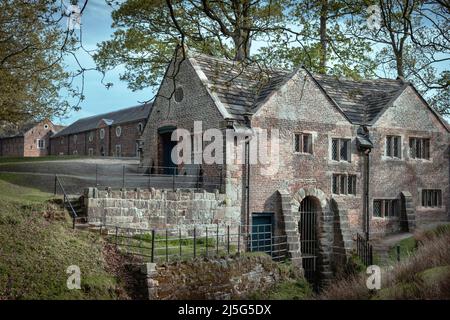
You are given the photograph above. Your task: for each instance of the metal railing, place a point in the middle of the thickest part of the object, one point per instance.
(66, 201)
(164, 245)
(364, 250)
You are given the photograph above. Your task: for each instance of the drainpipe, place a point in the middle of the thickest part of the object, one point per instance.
(367, 177)
(365, 145)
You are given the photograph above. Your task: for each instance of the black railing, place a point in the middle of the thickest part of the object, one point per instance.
(164, 245)
(66, 201)
(364, 250)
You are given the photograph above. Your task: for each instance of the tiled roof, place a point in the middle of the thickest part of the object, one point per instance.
(240, 88)
(136, 113)
(243, 89)
(362, 100)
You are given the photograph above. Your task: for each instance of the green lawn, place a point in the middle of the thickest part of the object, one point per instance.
(38, 245)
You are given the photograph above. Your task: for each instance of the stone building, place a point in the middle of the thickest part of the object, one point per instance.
(29, 140)
(115, 134)
(346, 148)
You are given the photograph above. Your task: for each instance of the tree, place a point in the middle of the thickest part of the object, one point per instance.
(33, 44)
(413, 41)
(148, 31)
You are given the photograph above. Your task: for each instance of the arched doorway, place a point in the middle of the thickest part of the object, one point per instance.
(308, 228)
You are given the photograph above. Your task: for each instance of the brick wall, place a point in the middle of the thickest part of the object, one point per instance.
(11, 147)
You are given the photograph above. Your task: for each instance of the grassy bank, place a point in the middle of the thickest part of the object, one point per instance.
(37, 247)
(423, 272)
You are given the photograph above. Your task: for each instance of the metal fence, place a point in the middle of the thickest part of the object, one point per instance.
(135, 176)
(364, 250)
(164, 245)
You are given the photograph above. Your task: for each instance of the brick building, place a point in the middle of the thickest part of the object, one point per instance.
(346, 148)
(115, 134)
(29, 140)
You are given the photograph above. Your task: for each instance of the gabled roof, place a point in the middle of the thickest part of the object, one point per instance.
(242, 90)
(136, 113)
(363, 100)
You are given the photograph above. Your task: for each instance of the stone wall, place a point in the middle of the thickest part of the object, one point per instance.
(212, 279)
(154, 208)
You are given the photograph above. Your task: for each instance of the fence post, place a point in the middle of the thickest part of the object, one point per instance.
(123, 177)
(228, 239)
(239, 239)
(398, 253)
(195, 242)
(173, 180)
(152, 257)
(167, 246)
(180, 244)
(217, 240)
(206, 242)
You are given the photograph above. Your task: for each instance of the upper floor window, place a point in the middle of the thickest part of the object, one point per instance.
(340, 149)
(303, 143)
(102, 133)
(41, 144)
(344, 184)
(91, 137)
(431, 198)
(419, 148)
(62, 140)
(118, 131)
(385, 208)
(45, 126)
(393, 146)
(75, 138)
(140, 127)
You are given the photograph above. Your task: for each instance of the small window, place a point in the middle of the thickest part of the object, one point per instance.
(75, 138)
(344, 184)
(393, 147)
(303, 143)
(386, 208)
(340, 149)
(41, 144)
(91, 152)
(179, 94)
(140, 127)
(91, 137)
(75, 152)
(431, 198)
(419, 148)
(102, 134)
(62, 140)
(118, 131)
(45, 126)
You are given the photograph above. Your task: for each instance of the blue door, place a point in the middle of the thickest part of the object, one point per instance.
(261, 237)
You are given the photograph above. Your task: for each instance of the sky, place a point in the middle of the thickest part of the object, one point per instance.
(96, 27)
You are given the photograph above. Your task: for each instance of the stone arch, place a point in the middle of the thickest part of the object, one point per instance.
(302, 193)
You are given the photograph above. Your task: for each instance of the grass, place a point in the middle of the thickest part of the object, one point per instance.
(37, 247)
(37, 159)
(407, 247)
(11, 192)
(141, 245)
(424, 274)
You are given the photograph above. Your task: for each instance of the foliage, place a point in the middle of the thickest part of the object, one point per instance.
(32, 45)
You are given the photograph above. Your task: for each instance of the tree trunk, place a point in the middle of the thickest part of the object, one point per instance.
(323, 36)
(242, 44)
